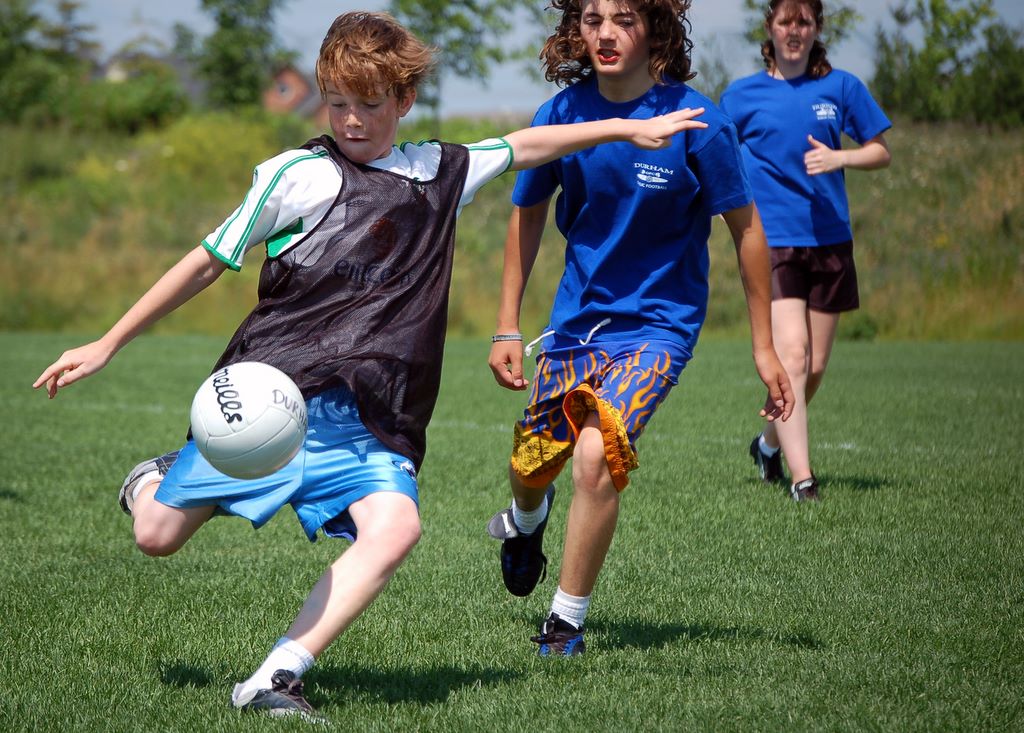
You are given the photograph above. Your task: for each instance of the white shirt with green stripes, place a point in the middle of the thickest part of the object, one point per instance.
(293, 191)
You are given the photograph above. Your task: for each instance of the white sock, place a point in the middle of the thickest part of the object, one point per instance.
(527, 522)
(570, 608)
(765, 448)
(146, 480)
(286, 654)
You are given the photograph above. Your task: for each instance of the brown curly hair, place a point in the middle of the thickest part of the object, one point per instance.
(370, 51)
(817, 64)
(565, 57)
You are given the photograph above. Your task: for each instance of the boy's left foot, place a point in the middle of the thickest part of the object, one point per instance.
(559, 638)
(523, 563)
(283, 698)
(806, 490)
(151, 470)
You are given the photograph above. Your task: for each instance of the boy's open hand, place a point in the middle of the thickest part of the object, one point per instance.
(656, 133)
(72, 366)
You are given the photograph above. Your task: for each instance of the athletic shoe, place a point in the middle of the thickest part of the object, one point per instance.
(283, 698)
(806, 490)
(523, 564)
(768, 467)
(148, 471)
(558, 638)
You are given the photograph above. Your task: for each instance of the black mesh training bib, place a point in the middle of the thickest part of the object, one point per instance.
(362, 301)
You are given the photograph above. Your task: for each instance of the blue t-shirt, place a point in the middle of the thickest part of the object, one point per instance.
(774, 118)
(636, 222)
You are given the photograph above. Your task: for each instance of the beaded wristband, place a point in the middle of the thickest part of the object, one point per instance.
(506, 337)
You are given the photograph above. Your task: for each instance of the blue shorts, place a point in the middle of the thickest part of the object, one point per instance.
(340, 463)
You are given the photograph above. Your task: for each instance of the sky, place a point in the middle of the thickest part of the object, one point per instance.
(717, 31)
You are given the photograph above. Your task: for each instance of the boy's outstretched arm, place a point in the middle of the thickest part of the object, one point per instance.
(535, 146)
(192, 274)
(525, 228)
(755, 272)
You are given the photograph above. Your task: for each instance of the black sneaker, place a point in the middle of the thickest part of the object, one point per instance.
(768, 467)
(558, 638)
(806, 490)
(283, 698)
(523, 565)
(159, 465)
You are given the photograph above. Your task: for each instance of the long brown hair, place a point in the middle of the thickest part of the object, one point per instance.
(565, 56)
(817, 64)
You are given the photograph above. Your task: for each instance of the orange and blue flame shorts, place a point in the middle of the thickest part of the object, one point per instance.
(623, 382)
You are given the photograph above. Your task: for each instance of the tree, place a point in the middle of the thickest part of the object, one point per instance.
(238, 58)
(40, 62)
(68, 37)
(996, 82)
(712, 68)
(471, 36)
(952, 74)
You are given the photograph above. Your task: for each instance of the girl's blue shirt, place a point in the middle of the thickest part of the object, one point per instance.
(773, 118)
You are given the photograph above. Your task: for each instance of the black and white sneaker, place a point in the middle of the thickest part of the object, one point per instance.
(523, 563)
(769, 467)
(151, 470)
(285, 697)
(806, 490)
(559, 638)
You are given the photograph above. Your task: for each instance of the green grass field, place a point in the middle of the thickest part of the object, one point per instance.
(895, 604)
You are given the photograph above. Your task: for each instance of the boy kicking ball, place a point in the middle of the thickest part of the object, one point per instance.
(352, 306)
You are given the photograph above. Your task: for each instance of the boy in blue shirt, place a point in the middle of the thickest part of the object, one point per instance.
(633, 295)
(352, 306)
(790, 119)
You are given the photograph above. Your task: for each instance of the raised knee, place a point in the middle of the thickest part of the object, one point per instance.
(154, 543)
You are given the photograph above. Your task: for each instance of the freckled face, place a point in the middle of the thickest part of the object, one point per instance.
(616, 38)
(365, 127)
(793, 31)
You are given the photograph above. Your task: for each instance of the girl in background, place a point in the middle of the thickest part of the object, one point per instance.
(790, 119)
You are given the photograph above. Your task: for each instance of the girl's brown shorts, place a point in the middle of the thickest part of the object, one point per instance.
(824, 276)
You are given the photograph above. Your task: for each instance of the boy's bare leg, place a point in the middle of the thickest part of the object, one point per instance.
(593, 513)
(162, 530)
(388, 527)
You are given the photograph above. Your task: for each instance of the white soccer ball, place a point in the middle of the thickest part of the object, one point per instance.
(248, 419)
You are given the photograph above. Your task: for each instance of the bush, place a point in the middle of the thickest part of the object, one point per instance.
(149, 100)
(31, 89)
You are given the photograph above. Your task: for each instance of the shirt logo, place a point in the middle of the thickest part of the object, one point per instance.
(406, 466)
(652, 176)
(824, 110)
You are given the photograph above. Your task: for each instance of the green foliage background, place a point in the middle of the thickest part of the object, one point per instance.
(93, 218)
